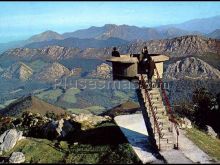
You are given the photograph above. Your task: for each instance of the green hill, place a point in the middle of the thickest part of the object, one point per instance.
(31, 104)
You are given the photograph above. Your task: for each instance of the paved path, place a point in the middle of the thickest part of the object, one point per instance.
(134, 129)
(191, 151)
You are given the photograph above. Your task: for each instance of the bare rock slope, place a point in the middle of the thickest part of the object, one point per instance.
(52, 72)
(191, 68)
(18, 71)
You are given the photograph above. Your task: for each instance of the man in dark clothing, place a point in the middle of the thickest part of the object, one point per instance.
(148, 65)
(115, 53)
(151, 66)
(144, 54)
(144, 57)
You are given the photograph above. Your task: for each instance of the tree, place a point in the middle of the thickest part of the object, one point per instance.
(204, 103)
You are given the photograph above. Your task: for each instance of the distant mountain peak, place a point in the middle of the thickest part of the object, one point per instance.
(110, 25)
(215, 34)
(45, 36)
(49, 31)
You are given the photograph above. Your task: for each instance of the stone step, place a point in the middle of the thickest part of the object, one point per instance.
(164, 126)
(160, 110)
(164, 142)
(165, 136)
(166, 147)
(165, 132)
(154, 94)
(160, 121)
(155, 106)
(156, 112)
(156, 99)
(162, 115)
(163, 120)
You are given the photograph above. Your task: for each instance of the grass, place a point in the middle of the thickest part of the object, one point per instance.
(38, 151)
(122, 96)
(205, 142)
(39, 90)
(51, 94)
(9, 102)
(95, 109)
(88, 110)
(6, 103)
(69, 95)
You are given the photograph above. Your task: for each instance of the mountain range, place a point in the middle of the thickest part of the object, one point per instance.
(79, 43)
(176, 47)
(126, 32)
(110, 35)
(202, 25)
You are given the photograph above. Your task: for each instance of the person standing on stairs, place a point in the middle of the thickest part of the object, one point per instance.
(151, 66)
(147, 65)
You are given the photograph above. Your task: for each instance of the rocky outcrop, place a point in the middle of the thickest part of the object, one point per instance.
(88, 121)
(211, 132)
(17, 157)
(52, 52)
(9, 139)
(102, 71)
(185, 123)
(75, 71)
(58, 129)
(191, 68)
(52, 72)
(18, 71)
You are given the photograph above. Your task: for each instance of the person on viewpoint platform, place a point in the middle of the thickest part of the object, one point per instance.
(148, 65)
(115, 53)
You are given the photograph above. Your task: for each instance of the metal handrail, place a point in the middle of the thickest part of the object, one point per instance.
(151, 107)
(168, 105)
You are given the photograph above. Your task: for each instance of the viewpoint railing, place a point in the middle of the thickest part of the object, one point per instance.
(156, 124)
(168, 107)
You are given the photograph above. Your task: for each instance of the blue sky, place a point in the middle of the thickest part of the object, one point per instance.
(20, 20)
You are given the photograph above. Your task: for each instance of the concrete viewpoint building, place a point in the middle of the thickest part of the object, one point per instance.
(126, 66)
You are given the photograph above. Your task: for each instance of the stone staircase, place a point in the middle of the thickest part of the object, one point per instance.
(166, 140)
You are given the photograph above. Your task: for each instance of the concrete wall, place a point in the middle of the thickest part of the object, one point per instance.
(160, 70)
